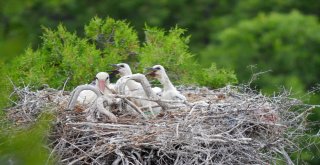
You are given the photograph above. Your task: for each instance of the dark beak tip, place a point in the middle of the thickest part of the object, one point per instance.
(115, 72)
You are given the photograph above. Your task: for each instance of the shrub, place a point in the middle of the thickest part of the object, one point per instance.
(64, 56)
(288, 44)
(172, 51)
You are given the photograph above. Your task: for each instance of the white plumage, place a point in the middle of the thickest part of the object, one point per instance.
(169, 91)
(101, 82)
(134, 88)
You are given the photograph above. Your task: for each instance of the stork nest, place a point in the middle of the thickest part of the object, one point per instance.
(236, 125)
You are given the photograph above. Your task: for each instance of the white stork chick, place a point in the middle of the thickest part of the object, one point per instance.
(169, 91)
(101, 82)
(124, 69)
(134, 87)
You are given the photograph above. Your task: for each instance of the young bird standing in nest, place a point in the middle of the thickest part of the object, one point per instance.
(134, 88)
(169, 91)
(123, 69)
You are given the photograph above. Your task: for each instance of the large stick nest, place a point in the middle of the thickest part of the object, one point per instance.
(235, 125)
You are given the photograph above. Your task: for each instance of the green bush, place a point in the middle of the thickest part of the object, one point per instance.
(116, 39)
(214, 77)
(287, 44)
(172, 51)
(63, 56)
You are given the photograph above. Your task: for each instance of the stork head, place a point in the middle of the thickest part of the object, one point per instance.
(102, 80)
(156, 71)
(122, 68)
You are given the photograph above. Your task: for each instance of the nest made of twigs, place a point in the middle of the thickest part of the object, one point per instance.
(235, 125)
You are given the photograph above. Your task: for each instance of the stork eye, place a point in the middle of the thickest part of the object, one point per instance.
(157, 68)
(107, 78)
(96, 78)
(122, 66)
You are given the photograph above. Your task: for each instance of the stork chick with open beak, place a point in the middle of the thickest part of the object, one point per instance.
(122, 68)
(169, 91)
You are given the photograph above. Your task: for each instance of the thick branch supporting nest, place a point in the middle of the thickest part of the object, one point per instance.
(231, 125)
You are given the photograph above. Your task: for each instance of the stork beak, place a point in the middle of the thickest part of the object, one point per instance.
(150, 69)
(152, 72)
(114, 65)
(102, 85)
(115, 71)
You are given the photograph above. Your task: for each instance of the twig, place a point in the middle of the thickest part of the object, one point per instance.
(80, 150)
(136, 108)
(64, 85)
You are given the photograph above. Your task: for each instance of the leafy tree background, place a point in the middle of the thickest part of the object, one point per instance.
(278, 35)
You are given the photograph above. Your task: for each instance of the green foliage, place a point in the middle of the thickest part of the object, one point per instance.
(3, 87)
(25, 146)
(64, 56)
(59, 57)
(171, 50)
(309, 152)
(277, 42)
(21, 19)
(214, 77)
(115, 38)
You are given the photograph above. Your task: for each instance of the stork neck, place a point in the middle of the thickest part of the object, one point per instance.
(126, 73)
(132, 85)
(167, 85)
(97, 84)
